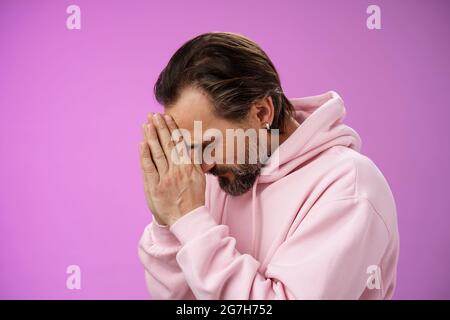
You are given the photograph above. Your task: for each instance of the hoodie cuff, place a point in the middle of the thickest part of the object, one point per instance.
(161, 234)
(193, 224)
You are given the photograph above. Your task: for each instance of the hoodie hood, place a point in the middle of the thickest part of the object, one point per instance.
(321, 128)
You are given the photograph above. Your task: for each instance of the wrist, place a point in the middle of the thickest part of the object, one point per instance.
(159, 222)
(182, 212)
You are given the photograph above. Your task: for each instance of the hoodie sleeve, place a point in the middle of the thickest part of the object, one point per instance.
(157, 252)
(325, 257)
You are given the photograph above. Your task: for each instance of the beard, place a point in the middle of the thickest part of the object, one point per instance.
(244, 177)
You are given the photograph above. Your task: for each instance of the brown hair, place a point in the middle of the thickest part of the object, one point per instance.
(231, 69)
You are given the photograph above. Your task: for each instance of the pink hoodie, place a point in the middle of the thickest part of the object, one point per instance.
(319, 224)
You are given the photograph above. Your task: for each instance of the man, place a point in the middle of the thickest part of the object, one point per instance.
(315, 219)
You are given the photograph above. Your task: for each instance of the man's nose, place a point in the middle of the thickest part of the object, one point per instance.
(206, 167)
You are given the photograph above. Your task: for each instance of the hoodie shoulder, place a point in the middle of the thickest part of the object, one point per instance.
(372, 185)
(354, 175)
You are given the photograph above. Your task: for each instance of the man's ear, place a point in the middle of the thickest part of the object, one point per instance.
(263, 112)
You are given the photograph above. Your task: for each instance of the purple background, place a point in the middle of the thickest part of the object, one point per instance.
(72, 101)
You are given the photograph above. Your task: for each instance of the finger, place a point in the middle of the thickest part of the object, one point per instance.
(148, 167)
(185, 154)
(141, 151)
(157, 153)
(164, 136)
(149, 172)
(182, 152)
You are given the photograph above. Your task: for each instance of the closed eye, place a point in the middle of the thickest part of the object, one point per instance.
(204, 144)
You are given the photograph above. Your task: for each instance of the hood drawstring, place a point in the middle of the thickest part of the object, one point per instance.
(254, 220)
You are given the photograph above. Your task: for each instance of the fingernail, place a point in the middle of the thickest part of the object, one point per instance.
(167, 117)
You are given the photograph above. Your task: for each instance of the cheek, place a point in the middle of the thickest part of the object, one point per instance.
(230, 150)
(217, 151)
(235, 149)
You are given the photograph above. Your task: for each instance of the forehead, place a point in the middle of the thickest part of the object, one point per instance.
(193, 105)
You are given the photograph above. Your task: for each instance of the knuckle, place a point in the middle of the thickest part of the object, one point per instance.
(148, 168)
(169, 144)
(158, 155)
(152, 133)
(146, 162)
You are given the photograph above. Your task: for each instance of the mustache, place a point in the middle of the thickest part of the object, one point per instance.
(215, 171)
(244, 177)
(241, 170)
